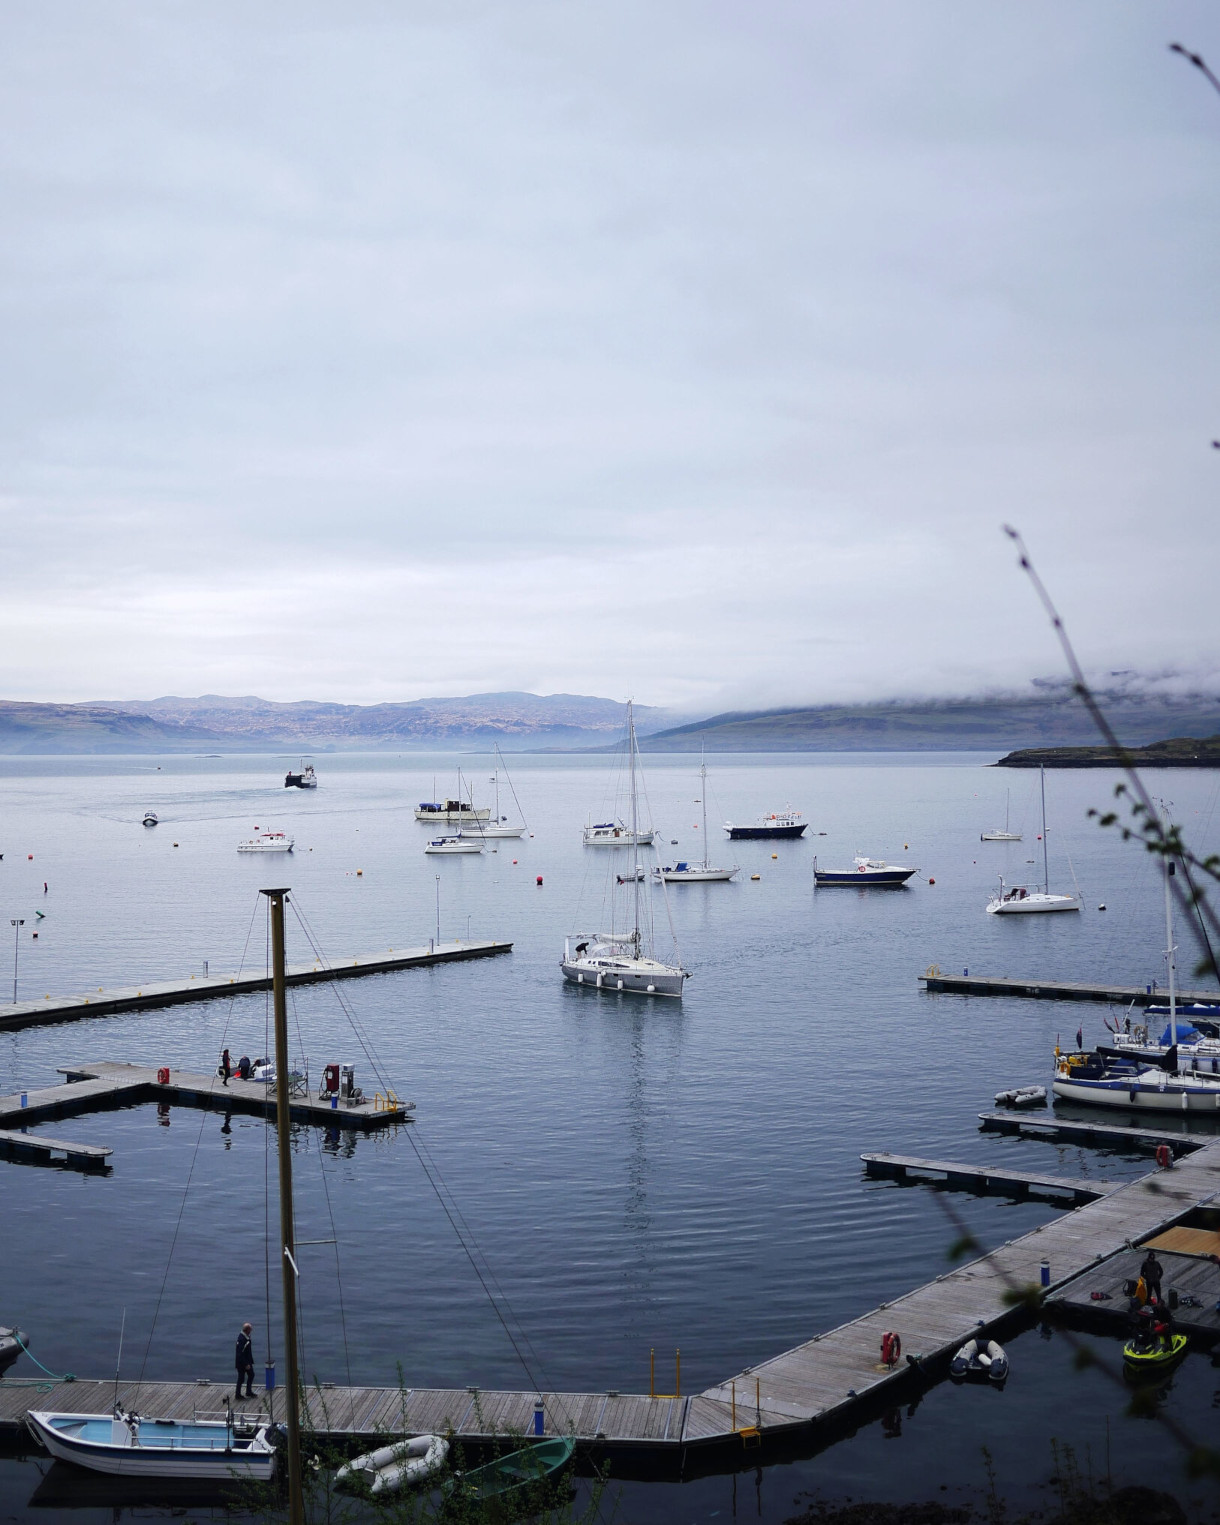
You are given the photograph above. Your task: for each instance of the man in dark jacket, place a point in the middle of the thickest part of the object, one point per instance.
(245, 1361)
(1152, 1271)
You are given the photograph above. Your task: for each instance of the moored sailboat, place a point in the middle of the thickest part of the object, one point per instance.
(1024, 900)
(622, 961)
(697, 873)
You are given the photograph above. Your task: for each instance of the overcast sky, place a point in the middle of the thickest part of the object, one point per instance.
(370, 351)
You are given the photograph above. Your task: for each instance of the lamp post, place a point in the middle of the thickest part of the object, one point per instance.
(16, 923)
(438, 910)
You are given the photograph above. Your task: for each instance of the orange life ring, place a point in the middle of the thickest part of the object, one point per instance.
(891, 1348)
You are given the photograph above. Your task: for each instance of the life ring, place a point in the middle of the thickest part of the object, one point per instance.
(891, 1348)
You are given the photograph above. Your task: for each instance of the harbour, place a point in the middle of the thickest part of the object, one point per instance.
(677, 1188)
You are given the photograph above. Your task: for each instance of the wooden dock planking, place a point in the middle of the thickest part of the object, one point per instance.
(1050, 1126)
(1060, 990)
(160, 993)
(40, 1143)
(1194, 1275)
(982, 1178)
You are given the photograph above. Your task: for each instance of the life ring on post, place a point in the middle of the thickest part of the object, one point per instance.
(891, 1349)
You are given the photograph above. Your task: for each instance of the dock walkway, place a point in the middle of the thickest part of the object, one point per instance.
(1062, 990)
(89, 1087)
(148, 997)
(984, 1178)
(1053, 1128)
(814, 1388)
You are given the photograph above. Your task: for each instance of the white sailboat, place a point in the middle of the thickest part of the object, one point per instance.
(439, 845)
(498, 826)
(1022, 900)
(622, 961)
(697, 873)
(1005, 835)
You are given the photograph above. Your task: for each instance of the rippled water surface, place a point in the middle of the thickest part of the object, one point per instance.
(637, 1174)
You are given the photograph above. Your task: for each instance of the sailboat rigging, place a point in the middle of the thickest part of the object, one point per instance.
(1021, 899)
(620, 961)
(697, 873)
(499, 826)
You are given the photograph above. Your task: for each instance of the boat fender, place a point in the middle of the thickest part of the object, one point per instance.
(891, 1349)
(1171, 1297)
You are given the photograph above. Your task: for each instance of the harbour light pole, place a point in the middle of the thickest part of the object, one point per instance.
(16, 923)
(438, 913)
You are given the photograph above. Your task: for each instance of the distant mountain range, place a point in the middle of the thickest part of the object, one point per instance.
(518, 722)
(1053, 717)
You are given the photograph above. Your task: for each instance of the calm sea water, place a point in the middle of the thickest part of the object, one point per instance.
(635, 1174)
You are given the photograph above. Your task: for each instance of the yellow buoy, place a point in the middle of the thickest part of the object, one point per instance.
(775, 855)
(755, 876)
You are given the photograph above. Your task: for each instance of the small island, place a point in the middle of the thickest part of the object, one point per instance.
(1178, 752)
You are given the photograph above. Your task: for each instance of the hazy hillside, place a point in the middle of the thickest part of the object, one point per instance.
(1055, 718)
(214, 722)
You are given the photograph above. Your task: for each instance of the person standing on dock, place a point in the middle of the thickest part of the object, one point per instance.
(245, 1361)
(1152, 1271)
(226, 1067)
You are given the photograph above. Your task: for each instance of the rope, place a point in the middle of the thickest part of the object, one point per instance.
(68, 1376)
(190, 1175)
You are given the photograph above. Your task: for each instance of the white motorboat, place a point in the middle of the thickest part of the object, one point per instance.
(150, 818)
(126, 1444)
(697, 873)
(617, 834)
(267, 842)
(1005, 835)
(498, 826)
(623, 961)
(453, 845)
(304, 778)
(863, 872)
(397, 1466)
(1022, 899)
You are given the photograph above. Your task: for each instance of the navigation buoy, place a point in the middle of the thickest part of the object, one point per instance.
(538, 880)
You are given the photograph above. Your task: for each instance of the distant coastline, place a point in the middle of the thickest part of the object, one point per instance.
(1178, 752)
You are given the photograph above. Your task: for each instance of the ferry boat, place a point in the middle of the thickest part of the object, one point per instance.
(783, 823)
(866, 871)
(305, 779)
(267, 842)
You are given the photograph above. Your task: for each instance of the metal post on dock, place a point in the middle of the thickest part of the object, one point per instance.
(283, 1088)
(16, 923)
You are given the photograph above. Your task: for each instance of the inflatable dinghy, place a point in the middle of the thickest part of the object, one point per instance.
(397, 1466)
(980, 1358)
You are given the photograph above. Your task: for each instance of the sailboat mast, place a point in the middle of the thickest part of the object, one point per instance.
(292, 1391)
(1007, 803)
(703, 797)
(635, 846)
(1170, 950)
(1046, 873)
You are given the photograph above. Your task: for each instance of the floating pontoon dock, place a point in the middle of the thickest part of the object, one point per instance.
(833, 1380)
(983, 1178)
(88, 1087)
(1061, 990)
(104, 1003)
(1106, 1135)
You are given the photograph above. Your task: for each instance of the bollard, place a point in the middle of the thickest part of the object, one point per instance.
(539, 1417)
(1046, 1273)
(25, 1100)
(269, 1378)
(965, 974)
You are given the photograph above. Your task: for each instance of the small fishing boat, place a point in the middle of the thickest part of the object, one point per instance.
(1021, 900)
(400, 1465)
(526, 1468)
(150, 818)
(980, 1359)
(1005, 835)
(12, 1342)
(1140, 1360)
(453, 845)
(783, 823)
(866, 871)
(305, 779)
(267, 842)
(458, 812)
(127, 1444)
(616, 834)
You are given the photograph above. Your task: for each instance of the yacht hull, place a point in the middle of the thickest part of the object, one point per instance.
(657, 980)
(501, 833)
(758, 833)
(1133, 1094)
(1033, 905)
(882, 878)
(694, 875)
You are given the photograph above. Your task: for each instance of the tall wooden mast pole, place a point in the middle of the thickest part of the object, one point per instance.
(292, 1387)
